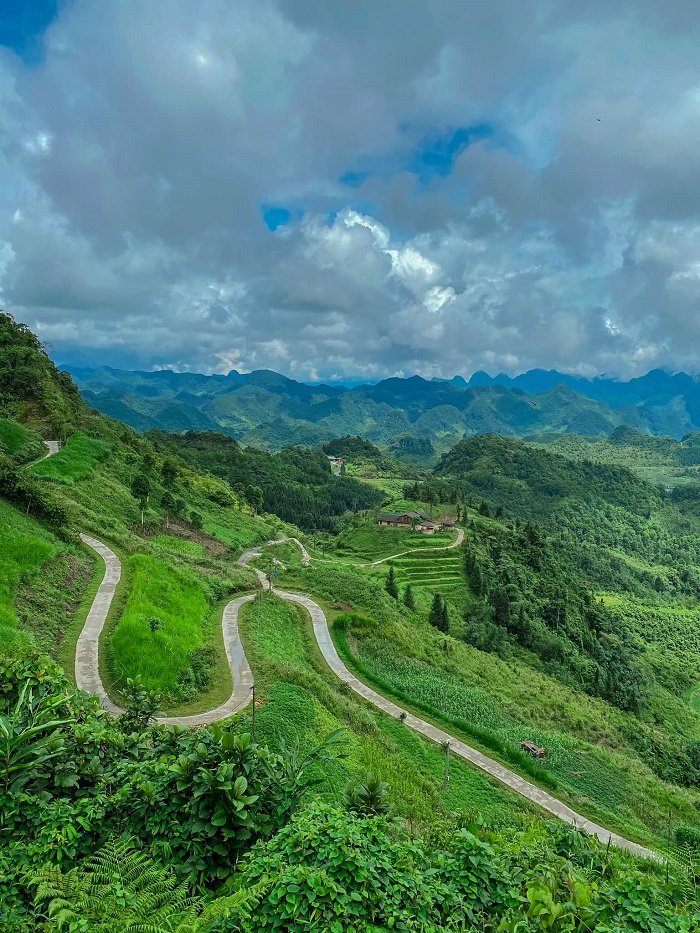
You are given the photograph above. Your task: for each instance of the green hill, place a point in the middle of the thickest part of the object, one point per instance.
(119, 823)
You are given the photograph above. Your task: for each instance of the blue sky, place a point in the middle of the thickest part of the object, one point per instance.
(22, 24)
(344, 192)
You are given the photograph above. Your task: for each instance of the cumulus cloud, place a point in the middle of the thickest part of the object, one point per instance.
(467, 185)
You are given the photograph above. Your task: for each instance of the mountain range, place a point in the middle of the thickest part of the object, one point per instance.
(414, 417)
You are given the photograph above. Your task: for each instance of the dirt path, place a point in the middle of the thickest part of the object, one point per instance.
(473, 756)
(87, 669)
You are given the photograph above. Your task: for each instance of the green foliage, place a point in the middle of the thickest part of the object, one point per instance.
(119, 888)
(32, 390)
(76, 460)
(141, 487)
(336, 871)
(391, 586)
(30, 736)
(142, 706)
(18, 486)
(368, 797)
(19, 443)
(438, 616)
(533, 603)
(408, 598)
(295, 484)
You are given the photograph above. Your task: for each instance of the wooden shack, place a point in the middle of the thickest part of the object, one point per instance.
(533, 750)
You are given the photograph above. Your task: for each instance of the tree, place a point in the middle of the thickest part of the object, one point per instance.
(254, 497)
(438, 614)
(148, 462)
(444, 618)
(408, 598)
(196, 521)
(484, 509)
(140, 489)
(169, 472)
(391, 586)
(167, 504)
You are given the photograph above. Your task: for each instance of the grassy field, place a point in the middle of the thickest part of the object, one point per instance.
(302, 701)
(42, 583)
(21, 444)
(160, 628)
(76, 460)
(367, 541)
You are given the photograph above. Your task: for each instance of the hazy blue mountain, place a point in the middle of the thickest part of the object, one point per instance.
(267, 409)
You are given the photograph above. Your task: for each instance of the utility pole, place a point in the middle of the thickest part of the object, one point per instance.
(253, 689)
(446, 749)
(270, 572)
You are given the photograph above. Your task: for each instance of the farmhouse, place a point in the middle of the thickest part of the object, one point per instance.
(406, 520)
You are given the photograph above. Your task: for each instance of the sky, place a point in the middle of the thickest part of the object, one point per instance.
(347, 191)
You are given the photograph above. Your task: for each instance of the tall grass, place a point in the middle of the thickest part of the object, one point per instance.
(20, 555)
(157, 652)
(18, 442)
(76, 460)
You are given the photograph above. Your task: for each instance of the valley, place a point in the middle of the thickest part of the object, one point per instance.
(166, 574)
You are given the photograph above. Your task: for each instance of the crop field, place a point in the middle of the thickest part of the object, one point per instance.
(436, 571)
(606, 785)
(302, 701)
(161, 626)
(76, 460)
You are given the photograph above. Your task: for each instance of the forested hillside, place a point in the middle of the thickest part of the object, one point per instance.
(659, 460)
(311, 809)
(417, 419)
(413, 417)
(296, 484)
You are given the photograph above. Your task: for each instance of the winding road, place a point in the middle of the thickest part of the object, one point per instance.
(88, 678)
(87, 668)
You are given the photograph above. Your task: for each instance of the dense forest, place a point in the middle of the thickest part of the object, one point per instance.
(296, 484)
(523, 593)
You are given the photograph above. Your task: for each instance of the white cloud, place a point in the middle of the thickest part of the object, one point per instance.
(135, 161)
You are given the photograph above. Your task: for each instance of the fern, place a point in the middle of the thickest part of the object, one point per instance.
(116, 890)
(120, 889)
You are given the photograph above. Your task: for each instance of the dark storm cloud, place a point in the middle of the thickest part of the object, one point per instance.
(467, 185)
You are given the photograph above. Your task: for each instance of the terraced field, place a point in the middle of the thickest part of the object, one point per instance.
(433, 570)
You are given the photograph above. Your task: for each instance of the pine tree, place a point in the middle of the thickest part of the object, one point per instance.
(436, 612)
(408, 599)
(444, 618)
(391, 586)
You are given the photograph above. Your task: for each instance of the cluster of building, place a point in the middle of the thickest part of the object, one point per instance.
(416, 521)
